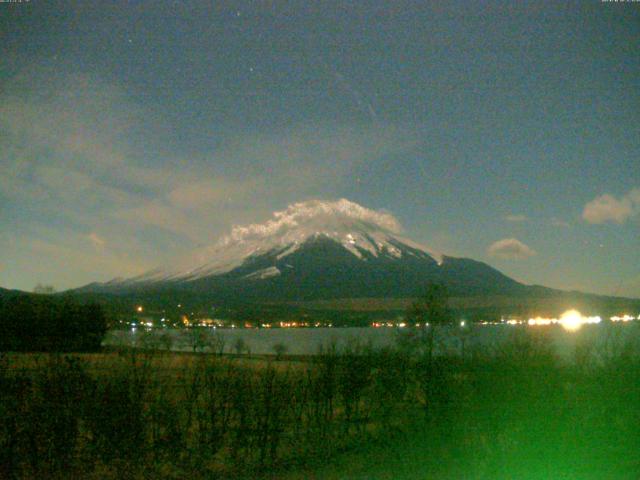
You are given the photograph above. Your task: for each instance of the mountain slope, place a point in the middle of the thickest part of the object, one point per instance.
(317, 250)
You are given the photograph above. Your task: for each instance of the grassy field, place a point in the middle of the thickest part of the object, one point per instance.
(513, 413)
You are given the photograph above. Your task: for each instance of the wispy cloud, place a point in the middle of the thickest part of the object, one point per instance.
(516, 218)
(607, 208)
(97, 241)
(557, 222)
(510, 249)
(629, 287)
(80, 155)
(85, 262)
(214, 191)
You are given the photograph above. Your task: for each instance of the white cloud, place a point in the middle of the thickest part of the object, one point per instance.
(516, 218)
(312, 213)
(607, 208)
(510, 249)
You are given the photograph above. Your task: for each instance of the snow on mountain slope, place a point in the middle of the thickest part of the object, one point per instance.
(264, 273)
(358, 229)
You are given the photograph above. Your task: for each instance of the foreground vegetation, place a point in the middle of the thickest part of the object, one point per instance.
(513, 412)
(49, 323)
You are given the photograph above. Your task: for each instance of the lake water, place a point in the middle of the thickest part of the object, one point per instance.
(307, 341)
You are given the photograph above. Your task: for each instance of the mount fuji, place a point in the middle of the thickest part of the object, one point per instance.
(317, 250)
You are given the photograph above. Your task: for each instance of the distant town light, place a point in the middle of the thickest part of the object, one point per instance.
(623, 318)
(139, 309)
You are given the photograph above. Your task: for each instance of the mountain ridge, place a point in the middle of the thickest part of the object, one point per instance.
(317, 251)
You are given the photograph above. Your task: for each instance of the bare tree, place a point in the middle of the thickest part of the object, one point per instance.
(240, 346)
(166, 341)
(218, 343)
(279, 349)
(431, 311)
(199, 339)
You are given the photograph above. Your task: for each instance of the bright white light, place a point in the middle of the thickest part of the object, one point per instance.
(571, 320)
(463, 323)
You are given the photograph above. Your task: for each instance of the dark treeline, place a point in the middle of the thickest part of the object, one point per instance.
(31, 323)
(513, 412)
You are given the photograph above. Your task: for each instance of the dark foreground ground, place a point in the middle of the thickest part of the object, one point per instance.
(513, 413)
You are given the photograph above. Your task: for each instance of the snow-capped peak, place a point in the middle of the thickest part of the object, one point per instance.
(357, 228)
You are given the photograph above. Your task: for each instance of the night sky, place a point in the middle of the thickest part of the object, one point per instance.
(133, 132)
